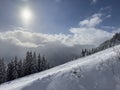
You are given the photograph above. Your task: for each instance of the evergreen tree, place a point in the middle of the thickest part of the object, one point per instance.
(34, 62)
(44, 64)
(24, 68)
(11, 71)
(82, 53)
(2, 71)
(39, 63)
(27, 64)
(31, 63)
(20, 69)
(16, 67)
(85, 51)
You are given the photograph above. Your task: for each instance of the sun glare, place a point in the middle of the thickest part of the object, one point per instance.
(26, 15)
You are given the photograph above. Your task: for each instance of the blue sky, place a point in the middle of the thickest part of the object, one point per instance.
(58, 16)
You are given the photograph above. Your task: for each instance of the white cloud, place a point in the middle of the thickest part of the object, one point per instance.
(109, 16)
(108, 27)
(93, 21)
(94, 1)
(29, 39)
(77, 36)
(89, 35)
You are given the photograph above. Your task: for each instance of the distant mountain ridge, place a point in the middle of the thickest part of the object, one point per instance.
(115, 40)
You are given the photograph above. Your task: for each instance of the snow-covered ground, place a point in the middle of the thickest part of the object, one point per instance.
(100, 71)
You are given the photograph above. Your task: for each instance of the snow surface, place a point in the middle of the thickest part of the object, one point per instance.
(100, 71)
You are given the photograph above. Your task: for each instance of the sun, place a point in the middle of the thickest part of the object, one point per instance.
(26, 15)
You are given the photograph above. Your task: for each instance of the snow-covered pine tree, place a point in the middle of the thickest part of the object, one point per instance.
(2, 71)
(82, 53)
(27, 64)
(20, 68)
(39, 62)
(16, 66)
(44, 64)
(34, 62)
(11, 71)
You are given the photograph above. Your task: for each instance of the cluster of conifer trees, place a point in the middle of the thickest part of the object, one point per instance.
(86, 52)
(18, 68)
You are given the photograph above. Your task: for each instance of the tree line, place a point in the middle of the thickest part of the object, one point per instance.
(87, 52)
(19, 68)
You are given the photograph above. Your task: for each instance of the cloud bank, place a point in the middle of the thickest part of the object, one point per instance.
(86, 34)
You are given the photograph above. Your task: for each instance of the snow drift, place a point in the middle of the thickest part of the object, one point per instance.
(100, 71)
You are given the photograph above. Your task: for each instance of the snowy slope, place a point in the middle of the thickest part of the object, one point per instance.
(100, 71)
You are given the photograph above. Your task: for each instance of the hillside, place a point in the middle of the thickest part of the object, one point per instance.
(115, 40)
(100, 71)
